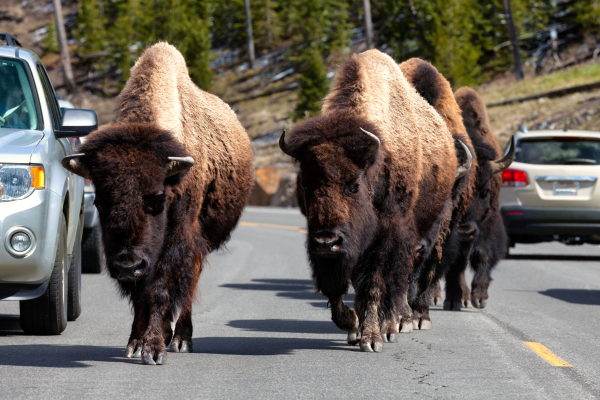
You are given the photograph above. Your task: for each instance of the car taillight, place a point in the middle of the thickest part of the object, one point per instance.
(514, 178)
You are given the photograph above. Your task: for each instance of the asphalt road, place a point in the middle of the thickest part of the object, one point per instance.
(261, 332)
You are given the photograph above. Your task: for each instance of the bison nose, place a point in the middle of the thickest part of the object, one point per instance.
(129, 266)
(328, 241)
(467, 231)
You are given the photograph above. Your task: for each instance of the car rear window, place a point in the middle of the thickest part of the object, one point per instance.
(18, 104)
(559, 151)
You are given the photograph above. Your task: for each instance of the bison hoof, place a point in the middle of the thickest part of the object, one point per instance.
(415, 324)
(407, 327)
(425, 325)
(389, 337)
(475, 303)
(483, 304)
(184, 346)
(437, 301)
(457, 306)
(367, 348)
(131, 353)
(447, 305)
(161, 359)
(467, 304)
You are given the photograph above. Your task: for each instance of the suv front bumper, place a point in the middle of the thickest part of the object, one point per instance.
(531, 224)
(40, 213)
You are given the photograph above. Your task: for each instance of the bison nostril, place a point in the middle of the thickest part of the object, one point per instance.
(325, 240)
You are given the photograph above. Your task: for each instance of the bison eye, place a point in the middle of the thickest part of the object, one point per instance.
(353, 187)
(154, 203)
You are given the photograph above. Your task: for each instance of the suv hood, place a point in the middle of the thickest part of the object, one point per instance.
(17, 145)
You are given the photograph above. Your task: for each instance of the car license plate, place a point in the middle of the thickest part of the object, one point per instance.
(566, 188)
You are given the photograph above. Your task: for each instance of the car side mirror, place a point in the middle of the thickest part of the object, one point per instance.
(76, 122)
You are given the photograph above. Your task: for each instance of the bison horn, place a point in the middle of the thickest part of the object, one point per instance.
(73, 164)
(283, 145)
(466, 166)
(503, 163)
(178, 164)
(375, 143)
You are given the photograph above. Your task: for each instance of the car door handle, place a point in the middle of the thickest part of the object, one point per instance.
(557, 178)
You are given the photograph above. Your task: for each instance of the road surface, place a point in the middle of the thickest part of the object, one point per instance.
(260, 331)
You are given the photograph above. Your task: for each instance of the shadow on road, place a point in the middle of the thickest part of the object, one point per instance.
(299, 289)
(555, 257)
(60, 356)
(286, 326)
(10, 325)
(264, 346)
(575, 296)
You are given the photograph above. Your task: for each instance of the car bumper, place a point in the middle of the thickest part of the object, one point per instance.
(550, 223)
(41, 214)
(90, 213)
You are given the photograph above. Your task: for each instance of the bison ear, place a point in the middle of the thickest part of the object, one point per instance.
(177, 164)
(73, 164)
(466, 166)
(503, 163)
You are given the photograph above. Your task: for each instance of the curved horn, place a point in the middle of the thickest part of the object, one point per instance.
(466, 166)
(178, 164)
(503, 163)
(73, 164)
(283, 145)
(375, 143)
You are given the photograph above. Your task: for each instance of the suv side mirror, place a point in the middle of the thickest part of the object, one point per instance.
(76, 122)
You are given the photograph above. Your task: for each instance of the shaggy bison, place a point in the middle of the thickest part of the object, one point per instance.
(481, 235)
(436, 90)
(172, 176)
(377, 170)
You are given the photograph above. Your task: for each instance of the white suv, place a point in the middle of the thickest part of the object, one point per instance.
(550, 192)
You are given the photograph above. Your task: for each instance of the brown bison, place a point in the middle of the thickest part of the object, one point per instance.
(482, 237)
(436, 90)
(377, 170)
(172, 176)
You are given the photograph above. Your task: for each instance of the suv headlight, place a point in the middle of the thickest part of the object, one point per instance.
(19, 181)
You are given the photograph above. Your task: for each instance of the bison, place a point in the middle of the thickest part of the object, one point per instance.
(172, 176)
(481, 236)
(436, 90)
(377, 171)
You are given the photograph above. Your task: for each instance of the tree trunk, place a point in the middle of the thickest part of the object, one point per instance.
(512, 33)
(251, 59)
(368, 24)
(64, 50)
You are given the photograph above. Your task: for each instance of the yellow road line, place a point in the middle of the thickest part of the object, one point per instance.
(286, 227)
(547, 355)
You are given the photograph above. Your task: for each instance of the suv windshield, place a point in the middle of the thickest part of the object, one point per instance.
(17, 103)
(559, 151)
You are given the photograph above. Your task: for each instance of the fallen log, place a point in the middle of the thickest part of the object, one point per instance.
(553, 93)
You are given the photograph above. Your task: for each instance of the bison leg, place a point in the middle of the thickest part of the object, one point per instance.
(435, 294)
(455, 277)
(481, 280)
(389, 329)
(371, 340)
(139, 326)
(466, 293)
(182, 340)
(344, 318)
(406, 325)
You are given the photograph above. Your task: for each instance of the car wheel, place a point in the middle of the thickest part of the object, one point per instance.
(74, 300)
(91, 247)
(47, 315)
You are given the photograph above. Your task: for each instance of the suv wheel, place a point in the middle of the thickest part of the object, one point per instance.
(74, 299)
(47, 315)
(91, 246)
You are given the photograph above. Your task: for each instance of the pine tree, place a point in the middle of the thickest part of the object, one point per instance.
(50, 42)
(91, 30)
(314, 85)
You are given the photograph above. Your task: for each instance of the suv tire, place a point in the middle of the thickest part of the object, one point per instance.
(74, 299)
(91, 246)
(47, 315)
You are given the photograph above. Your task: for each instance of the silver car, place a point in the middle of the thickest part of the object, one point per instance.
(41, 213)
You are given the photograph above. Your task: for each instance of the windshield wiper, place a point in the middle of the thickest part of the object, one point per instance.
(576, 161)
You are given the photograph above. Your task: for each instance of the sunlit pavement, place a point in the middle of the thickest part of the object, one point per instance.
(260, 331)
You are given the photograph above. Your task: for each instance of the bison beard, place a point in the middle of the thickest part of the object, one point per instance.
(172, 178)
(376, 176)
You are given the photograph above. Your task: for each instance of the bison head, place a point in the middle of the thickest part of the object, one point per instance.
(489, 163)
(136, 170)
(339, 180)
